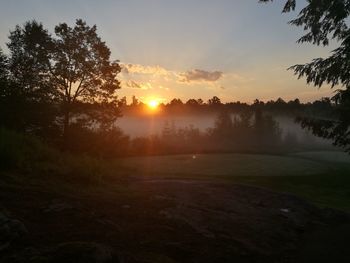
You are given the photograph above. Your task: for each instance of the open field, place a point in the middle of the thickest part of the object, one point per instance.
(320, 177)
(230, 165)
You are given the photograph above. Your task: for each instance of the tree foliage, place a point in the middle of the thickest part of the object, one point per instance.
(323, 21)
(28, 62)
(3, 73)
(70, 70)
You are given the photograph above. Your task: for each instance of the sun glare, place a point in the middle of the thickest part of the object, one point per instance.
(153, 104)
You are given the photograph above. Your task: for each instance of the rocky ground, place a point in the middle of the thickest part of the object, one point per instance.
(168, 221)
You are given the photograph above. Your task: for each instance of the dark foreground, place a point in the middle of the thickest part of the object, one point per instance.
(165, 220)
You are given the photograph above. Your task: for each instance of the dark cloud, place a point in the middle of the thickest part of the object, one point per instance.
(133, 84)
(138, 85)
(200, 75)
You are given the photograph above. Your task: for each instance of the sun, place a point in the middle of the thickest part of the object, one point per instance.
(153, 104)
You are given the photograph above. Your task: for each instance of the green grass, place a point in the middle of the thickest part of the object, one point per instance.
(327, 190)
(321, 177)
(228, 165)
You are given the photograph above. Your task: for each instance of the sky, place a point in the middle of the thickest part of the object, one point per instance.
(238, 50)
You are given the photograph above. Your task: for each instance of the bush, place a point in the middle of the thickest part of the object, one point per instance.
(28, 155)
(23, 152)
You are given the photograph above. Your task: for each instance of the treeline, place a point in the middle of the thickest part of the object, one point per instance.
(244, 132)
(323, 107)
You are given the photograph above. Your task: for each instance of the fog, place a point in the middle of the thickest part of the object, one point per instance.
(146, 125)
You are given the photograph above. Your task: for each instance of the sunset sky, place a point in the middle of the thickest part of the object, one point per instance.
(234, 49)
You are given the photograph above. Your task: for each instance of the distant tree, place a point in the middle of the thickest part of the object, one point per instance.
(266, 129)
(322, 108)
(325, 20)
(258, 105)
(295, 102)
(175, 103)
(214, 101)
(280, 102)
(223, 126)
(243, 129)
(166, 131)
(244, 120)
(122, 102)
(200, 101)
(71, 70)
(192, 102)
(224, 121)
(134, 101)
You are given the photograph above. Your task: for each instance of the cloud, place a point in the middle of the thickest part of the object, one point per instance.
(140, 69)
(135, 85)
(194, 75)
(238, 78)
(147, 77)
(198, 75)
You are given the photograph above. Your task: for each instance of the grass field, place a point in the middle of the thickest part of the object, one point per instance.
(193, 208)
(321, 177)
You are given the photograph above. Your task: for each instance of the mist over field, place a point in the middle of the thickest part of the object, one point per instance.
(147, 125)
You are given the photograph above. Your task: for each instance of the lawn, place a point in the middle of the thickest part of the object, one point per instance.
(321, 177)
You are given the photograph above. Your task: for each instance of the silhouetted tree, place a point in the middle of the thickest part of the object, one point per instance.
(175, 102)
(325, 20)
(200, 101)
(134, 101)
(167, 131)
(72, 70)
(4, 89)
(192, 102)
(244, 120)
(3, 74)
(29, 96)
(214, 101)
(81, 69)
(122, 102)
(29, 61)
(266, 129)
(223, 126)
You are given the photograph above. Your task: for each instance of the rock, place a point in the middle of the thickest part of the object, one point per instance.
(10, 229)
(83, 252)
